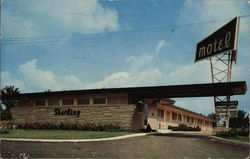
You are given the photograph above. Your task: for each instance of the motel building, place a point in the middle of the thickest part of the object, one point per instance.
(131, 108)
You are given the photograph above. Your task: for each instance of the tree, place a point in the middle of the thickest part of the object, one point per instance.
(7, 95)
(212, 116)
(242, 121)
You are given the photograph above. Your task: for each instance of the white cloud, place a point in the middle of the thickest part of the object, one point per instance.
(141, 72)
(146, 58)
(199, 105)
(62, 17)
(36, 79)
(159, 46)
(7, 79)
(191, 73)
(202, 11)
(118, 79)
(16, 26)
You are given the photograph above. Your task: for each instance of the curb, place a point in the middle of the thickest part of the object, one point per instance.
(230, 141)
(75, 140)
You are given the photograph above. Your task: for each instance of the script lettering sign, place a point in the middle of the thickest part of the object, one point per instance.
(222, 40)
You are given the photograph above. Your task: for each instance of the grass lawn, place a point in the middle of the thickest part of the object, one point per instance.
(60, 134)
(239, 138)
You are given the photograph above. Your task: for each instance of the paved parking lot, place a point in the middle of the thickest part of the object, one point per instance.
(150, 146)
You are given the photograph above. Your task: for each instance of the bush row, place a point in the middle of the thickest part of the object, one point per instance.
(70, 126)
(232, 133)
(183, 127)
(4, 130)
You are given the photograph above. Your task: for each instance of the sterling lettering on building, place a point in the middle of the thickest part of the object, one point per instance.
(69, 112)
(222, 40)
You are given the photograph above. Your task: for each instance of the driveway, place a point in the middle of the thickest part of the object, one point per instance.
(146, 147)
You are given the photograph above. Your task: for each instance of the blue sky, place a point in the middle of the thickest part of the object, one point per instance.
(83, 44)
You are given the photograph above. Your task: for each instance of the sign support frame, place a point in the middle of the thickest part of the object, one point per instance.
(222, 74)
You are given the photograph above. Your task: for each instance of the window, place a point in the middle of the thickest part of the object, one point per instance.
(192, 120)
(53, 102)
(188, 119)
(68, 102)
(174, 116)
(40, 103)
(179, 117)
(83, 101)
(117, 100)
(99, 100)
(198, 121)
(160, 113)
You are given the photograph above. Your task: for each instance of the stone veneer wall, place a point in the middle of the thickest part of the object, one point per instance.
(99, 114)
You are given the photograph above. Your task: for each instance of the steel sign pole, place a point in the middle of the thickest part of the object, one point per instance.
(221, 71)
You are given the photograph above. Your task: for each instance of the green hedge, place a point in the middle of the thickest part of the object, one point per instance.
(69, 126)
(233, 133)
(183, 127)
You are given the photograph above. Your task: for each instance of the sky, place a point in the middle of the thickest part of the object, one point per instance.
(85, 44)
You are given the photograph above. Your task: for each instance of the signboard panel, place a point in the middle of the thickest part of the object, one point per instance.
(229, 103)
(222, 40)
(221, 111)
(233, 114)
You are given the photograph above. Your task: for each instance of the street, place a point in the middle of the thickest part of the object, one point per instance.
(150, 146)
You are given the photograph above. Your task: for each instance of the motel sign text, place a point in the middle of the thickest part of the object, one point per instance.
(222, 40)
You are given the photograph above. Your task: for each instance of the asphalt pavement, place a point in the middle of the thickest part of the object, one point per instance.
(165, 146)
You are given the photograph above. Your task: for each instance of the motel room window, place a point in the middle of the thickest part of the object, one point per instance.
(68, 102)
(160, 113)
(206, 123)
(174, 116)
(179, 117)
(83, 101)
(192, 120)
(40, 103)
(198, 121)
(99, 100)
(53, 102)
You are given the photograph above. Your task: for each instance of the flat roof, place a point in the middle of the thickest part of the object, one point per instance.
(170, 91)
(188, 111)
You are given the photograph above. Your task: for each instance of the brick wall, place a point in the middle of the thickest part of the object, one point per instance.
(101, 114)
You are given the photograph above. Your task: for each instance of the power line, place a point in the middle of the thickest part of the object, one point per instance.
(69, 37)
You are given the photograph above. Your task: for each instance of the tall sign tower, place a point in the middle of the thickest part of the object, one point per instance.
(221, 49)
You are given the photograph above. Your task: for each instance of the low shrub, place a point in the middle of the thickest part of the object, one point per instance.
(6, 123)
(183, 127)
(233, 132)
(69, 126)
(4, 130)
(225, 134)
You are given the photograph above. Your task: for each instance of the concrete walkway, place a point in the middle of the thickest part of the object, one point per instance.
(127, 136)
(75, 140)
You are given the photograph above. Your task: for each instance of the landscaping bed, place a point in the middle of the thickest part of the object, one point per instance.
(60, 134)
